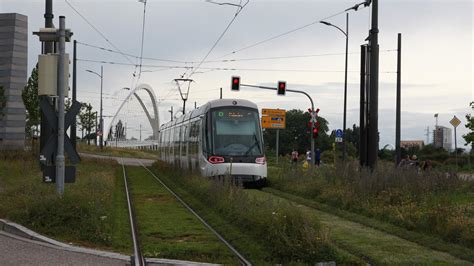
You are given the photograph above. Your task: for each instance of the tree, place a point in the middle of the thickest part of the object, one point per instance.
(31, 102)
(87, 120)
(469, 137)
(297, 134)
(3, 101)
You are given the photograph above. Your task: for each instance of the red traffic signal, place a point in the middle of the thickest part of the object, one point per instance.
(281, 90)
(315, 133)
(235, 86)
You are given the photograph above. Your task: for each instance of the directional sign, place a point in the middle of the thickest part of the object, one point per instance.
(455, 121)
(273, 122)
(339, 133)
(274, 118)
(273, 112)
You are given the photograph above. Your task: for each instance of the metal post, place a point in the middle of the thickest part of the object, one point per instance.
(171, 111)
(96, 127)
(456, 148)
(373, 139)
(195, 105)
(398, 122)
(74, 93)
(277, 142)
(101, 137)
(60, 167)
(345, 92)
(184, 106)
(140, 132)
(363, 108)
(221, 93)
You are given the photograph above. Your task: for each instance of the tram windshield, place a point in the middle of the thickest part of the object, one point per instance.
(236, 132)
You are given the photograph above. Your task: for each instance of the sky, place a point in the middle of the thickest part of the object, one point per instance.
(437, 56)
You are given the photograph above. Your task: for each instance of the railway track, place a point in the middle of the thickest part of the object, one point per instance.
(138, 258)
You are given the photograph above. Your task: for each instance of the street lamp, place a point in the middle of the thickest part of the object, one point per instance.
(346, 33)
(101, 127)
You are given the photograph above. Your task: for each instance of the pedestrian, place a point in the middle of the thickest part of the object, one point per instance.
(294, 157)
(308, 156)
(405, 162)
(317, 158)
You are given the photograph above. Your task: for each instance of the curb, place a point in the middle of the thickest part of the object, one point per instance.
(23, 232)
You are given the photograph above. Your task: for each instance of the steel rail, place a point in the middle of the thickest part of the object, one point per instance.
(138, 259)
(242, 259)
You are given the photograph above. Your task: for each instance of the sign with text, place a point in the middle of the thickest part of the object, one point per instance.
(273, 118)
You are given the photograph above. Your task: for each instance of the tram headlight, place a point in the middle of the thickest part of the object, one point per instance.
(261, 160)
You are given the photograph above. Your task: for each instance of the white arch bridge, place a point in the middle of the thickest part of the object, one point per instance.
(153, 119)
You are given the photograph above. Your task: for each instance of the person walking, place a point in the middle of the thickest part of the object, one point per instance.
(317, 159)
(294, 157)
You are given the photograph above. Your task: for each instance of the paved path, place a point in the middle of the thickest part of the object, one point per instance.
(15, 250)
(126, 161)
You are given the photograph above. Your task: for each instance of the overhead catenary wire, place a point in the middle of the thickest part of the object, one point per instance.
(143, 41)
(240, 8)
(281, 35)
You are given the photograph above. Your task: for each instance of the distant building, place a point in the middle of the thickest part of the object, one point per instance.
(13, 77)
(406, 144)
(442, 138)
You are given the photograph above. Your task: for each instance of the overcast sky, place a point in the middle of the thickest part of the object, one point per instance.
(437, 55)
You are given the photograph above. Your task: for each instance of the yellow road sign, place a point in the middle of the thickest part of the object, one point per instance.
(274, 122)
(273, 112)
(455, 121)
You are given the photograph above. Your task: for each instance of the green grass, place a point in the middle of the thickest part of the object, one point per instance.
(436, 204)
(378, 242)
(118, 152)
(167, 229)
(266, 232)
(91, 212)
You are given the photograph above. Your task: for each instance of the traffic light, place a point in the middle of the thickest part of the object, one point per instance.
(281, 88)
(315, 133)
(235, 86)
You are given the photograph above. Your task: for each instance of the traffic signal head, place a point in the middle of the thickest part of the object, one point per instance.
(235, 86)
(281, 90)
(315, 133)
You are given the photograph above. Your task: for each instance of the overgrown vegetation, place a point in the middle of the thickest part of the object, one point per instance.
(434, 203)
(285, 232)
(91, 212)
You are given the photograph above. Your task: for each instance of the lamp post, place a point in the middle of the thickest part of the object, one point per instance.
(346, 33)
(101, 126)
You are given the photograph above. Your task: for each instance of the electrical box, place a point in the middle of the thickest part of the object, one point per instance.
(48, 74)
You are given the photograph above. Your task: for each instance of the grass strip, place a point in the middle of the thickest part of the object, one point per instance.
(167, 229)
(283, 233)
(360, 238)
(91, 212)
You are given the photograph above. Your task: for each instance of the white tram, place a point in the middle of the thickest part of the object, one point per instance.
(220, 138)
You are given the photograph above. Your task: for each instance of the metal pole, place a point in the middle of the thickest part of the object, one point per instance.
(96, 127)
(60, 167)
(221, 93)
(345, 92)
(398, 122)
(456, 148)
(74, 93)
(184, 106)
(373, 139)
(101, 137)
(48, 23)
(277, 142)
(140, 132)
(363, 109)
(171, 111)
(195, 105)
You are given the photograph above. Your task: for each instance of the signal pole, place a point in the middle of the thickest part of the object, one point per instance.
(399, 92)
(373, 129)
(60, 160)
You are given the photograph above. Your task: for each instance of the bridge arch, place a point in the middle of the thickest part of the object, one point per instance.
(154, 121)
